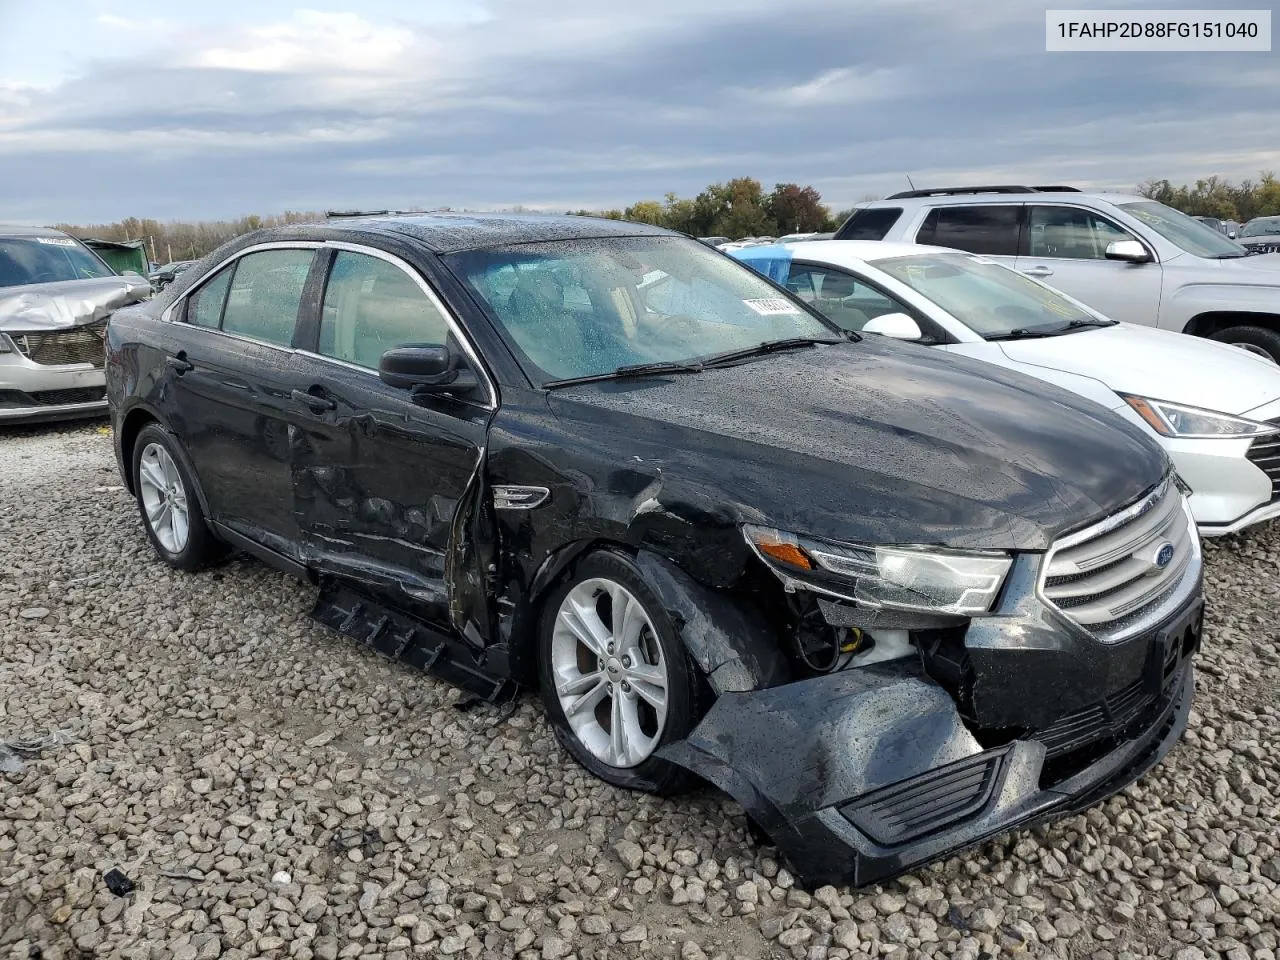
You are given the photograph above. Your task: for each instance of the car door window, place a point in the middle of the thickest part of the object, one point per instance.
(266, 290)
(371, 306)
(1071, 233)
(205, 307)
(840, 296)
(265, 293)
(991, 230)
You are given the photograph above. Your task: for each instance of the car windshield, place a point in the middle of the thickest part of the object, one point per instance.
(583, 308)
(26, 260)
(1261, 227)
(1186, 232)
(991, 300)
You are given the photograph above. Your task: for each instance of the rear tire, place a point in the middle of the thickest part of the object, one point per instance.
(168, 503)
(617, 690)
(1258, 340)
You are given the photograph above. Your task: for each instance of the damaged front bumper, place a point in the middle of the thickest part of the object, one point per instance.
(863, 774)
(52, 353)
(31, 391)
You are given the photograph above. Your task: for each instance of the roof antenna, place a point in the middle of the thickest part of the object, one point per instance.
(909, 183)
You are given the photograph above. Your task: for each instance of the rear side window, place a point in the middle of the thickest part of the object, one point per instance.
(265, 293)
(869, 224)
(371, 306)
(205, 308)
(974, 229)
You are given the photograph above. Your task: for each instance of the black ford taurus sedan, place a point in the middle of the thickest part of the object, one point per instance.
(891, 600)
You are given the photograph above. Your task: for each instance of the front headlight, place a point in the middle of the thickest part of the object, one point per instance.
(898, 577)
(1192, 423)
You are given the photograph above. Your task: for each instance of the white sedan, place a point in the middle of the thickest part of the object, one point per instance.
(1215, 408)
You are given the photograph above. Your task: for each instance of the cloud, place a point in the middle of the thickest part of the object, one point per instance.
(836, 87)
(497, 102)
(311, 42)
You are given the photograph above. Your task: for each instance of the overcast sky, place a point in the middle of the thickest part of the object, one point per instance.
(238, 106)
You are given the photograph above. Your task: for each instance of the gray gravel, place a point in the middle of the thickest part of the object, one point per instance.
(273, 790)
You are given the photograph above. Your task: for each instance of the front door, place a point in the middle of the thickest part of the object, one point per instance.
(229, 391)
(386, 486)
(1067, 247)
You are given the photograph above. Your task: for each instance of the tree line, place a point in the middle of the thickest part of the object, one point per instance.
(178, 239)
(737, 208)
(1216, 197)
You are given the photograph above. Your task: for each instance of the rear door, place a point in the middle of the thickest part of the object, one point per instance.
(229, 389)
(992, 230)
(1066, 248)
(388, 488)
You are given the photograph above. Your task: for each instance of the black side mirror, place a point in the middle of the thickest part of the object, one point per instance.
(425, 370)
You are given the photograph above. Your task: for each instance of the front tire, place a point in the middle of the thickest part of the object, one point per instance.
(616, 680)
(1260, 340)
(168, 503)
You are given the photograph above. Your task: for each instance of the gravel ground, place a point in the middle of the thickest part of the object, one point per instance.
(273, 790)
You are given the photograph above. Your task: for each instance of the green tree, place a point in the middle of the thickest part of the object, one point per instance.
(646, 211)
(796, 209)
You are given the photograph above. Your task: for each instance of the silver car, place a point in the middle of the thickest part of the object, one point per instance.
(55, 297)
(1127, 257)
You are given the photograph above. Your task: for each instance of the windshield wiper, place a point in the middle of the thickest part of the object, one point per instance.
(630, 370)
(771, 346)
(1079, 322)
(1022, 333)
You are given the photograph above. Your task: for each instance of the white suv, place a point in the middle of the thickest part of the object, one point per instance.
(1126, 256)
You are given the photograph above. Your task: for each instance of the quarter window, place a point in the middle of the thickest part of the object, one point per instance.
(205, 308)
(869, 223)
(1070, 233)
(265, 294)
(371, 306)
(991, 230)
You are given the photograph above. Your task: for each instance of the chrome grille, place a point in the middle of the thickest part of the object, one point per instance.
(1108, 578)
(1265, 454)
(1262, 246)
(60, 347)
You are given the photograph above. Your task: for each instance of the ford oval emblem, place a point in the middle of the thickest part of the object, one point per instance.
(1164, 555)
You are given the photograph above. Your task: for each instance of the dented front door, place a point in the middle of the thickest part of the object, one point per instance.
(379, 476)
(377, 483)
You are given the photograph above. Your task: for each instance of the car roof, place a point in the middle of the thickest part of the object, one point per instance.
(12, 230)
(851, 252)
(455, 232)
(1037, 197)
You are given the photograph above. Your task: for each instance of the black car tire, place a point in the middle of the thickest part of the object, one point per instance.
(201, 547)
(1257, 339)
(686, 688)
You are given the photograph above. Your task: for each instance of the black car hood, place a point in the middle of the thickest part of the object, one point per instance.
(872, 441)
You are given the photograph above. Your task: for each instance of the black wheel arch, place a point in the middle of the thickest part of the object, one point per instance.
(734, 650)
(131, 425)
(1215, 321)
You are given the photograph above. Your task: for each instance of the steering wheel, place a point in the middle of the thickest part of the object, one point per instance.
(52, 277)
(677, 326)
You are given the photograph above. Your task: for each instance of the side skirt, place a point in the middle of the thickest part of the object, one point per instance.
(403, 638)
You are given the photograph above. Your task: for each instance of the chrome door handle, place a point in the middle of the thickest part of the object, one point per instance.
(1038, 272)
(179, 363)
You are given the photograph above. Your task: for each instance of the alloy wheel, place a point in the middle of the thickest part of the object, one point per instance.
(610, 674)
(1255, 349)
(164, 498)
